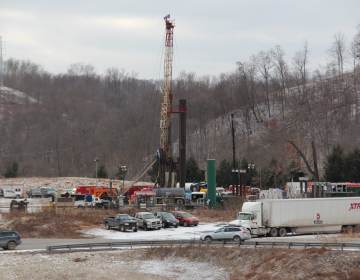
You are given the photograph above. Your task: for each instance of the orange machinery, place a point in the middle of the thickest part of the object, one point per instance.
(97, 191)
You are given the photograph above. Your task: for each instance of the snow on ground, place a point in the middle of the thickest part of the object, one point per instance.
(126, 265)
(11, 93)
(188, 233)
(163, 234)
(182, 269)
(61, 183)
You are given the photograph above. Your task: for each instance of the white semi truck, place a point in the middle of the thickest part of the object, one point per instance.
(277, 217)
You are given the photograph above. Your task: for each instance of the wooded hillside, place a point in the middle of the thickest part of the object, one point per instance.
(286, 116)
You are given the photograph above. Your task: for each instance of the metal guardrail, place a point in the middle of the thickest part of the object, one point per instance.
(139, 243)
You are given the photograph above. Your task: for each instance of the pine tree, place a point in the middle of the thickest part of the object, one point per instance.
(12, 170)
(224, 175)
(352, 166)
(193, 172)
(334, 166)
(101, 172)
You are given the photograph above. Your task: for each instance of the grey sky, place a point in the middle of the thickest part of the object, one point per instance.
(210, 36)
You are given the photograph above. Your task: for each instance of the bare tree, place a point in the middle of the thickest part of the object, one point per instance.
(246, 85)
(281, 70)
(300, 64)
(338, 52)
(264, 64)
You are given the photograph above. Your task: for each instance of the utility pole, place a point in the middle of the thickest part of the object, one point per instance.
(182, 142)
(96, 160)
(234, 165)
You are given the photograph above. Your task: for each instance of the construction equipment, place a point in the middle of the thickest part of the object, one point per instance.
(166, 163)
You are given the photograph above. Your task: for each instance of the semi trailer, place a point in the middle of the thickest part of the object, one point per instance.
(278, 217)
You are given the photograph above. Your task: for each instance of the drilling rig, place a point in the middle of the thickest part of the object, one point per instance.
(166, 176)
(165, 159)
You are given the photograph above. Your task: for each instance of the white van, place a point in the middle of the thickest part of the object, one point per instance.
(15, 192)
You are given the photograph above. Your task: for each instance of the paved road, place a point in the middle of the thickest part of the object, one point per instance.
(42, 243)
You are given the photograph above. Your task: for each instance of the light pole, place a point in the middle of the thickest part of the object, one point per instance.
(123, 171)
(236, 174)
(234, 165)
(96, 170)
(241, 171)
(251, 167)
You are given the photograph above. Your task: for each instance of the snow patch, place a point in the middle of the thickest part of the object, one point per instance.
(182, 269)
(16, 93)
(183, 233)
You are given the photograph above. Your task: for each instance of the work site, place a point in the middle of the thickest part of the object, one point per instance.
(229, 152)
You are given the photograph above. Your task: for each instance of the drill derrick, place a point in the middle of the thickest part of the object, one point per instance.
(166, 163)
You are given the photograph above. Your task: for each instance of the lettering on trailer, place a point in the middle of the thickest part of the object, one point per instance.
(317, 220)
(355, 205)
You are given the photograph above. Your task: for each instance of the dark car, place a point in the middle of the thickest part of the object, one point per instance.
(9, 239)
(186, 219)
(167, 219)
(121, 222)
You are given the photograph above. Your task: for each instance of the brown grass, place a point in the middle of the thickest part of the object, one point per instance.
(355, 274)
(51, 223)
(226, 213)
(262, 263)
(215, 215)
(67, 223)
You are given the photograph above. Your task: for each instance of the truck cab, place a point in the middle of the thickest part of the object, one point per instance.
(251, 218)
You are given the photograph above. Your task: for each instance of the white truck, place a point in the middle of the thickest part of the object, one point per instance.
(277, 217)
(12, 192)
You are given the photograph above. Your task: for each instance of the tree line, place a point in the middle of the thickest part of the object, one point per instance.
(287, 117)
(342, 166)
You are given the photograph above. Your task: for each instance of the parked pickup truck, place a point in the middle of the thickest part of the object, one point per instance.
(121, 222)
(147, 220)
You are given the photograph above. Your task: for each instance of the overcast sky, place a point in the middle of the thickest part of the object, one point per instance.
(210, 36)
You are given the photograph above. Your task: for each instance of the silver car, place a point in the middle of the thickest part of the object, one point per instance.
(227, 233)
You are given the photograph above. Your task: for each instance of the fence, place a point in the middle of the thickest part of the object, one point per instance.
(156, 243)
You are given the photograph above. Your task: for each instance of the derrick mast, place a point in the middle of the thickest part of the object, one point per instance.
(166, 164)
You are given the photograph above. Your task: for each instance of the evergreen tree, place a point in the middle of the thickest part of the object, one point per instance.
(12, 170)
(352, 166)
(224, 175)
(334, 166)
(193, 172)
(101, 172)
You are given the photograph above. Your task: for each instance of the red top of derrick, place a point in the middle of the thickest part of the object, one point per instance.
(169, 23)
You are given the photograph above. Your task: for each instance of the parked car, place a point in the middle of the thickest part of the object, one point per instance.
(122, 222)
(147, 220)
(81, 201)
(11, 192)
(167, 219)
(42, 192)
(186, 219)
(9, 239)
(227, 233)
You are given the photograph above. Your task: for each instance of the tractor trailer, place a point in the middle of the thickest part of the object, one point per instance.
(278, 217)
